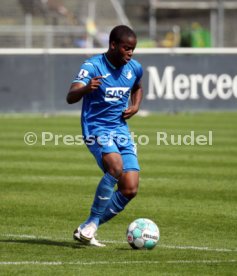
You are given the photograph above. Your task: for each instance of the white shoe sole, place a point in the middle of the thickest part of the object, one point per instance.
(91, 242)
(94, 242)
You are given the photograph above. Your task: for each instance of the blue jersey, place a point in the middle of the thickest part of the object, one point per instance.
(102, 108)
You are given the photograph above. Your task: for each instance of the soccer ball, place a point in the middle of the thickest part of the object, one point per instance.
(143, 233)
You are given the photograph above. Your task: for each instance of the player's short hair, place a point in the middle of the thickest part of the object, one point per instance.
(119, 32)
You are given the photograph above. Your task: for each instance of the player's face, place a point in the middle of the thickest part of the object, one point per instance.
(124, 50)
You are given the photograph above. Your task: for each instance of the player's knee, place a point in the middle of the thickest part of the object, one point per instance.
(130, 193)
(115, 171)
(113, 164)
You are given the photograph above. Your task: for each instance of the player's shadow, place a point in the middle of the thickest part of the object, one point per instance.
(46, 242)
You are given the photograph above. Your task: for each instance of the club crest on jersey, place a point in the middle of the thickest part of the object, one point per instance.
(83, 73)
(113, 94)
(128, 74)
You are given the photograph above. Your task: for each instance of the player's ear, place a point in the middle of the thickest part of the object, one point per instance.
(113, 45)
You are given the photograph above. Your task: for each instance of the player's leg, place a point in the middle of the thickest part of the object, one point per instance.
(112, 165)
(127, 190)
(128, 182)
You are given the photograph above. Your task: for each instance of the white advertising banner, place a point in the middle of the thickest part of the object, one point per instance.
(39, 81)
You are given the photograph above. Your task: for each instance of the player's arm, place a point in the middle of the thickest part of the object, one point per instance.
(136, 98)
(79, 89)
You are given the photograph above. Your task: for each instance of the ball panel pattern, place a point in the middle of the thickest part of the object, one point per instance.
(143, 234)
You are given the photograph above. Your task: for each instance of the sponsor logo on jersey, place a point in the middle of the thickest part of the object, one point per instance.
(113, 94)
(83, 73)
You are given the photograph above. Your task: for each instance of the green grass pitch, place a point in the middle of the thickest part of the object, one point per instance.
(189, 191)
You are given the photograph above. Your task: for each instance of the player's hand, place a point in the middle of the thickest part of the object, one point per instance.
(129, 112)
(94, 83)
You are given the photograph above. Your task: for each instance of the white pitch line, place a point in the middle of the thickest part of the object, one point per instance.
(31, 263)
(45, 263)
(191, 247)
(25, 236)
(205, 248)
(198, 248)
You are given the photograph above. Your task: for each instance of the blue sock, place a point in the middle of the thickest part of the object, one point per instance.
(102, 198)
(116, 204)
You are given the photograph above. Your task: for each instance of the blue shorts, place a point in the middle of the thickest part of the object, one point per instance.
(120, 144)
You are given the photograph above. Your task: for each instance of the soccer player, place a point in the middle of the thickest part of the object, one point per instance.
(110, 86)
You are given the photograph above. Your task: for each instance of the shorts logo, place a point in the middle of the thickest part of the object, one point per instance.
(113, 94)
(83, 73)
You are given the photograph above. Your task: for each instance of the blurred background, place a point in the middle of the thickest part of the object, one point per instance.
(187, 49)
(86, 23)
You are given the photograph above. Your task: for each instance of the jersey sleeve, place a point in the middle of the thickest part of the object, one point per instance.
(86, 73)
(139, 73)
